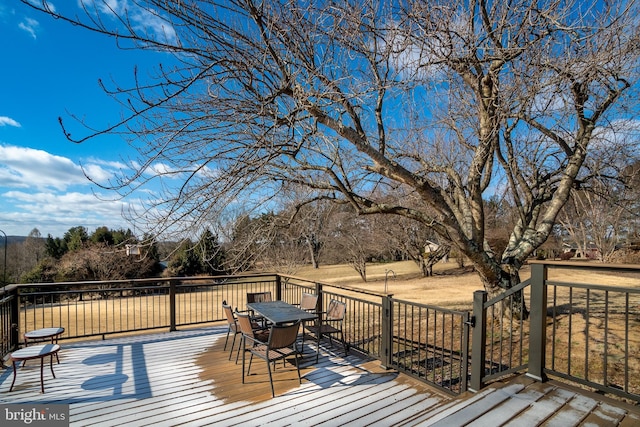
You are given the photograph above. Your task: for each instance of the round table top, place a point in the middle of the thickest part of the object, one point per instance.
(43, 333)
(35, 352)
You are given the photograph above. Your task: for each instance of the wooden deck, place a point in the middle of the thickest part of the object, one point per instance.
(184, 378)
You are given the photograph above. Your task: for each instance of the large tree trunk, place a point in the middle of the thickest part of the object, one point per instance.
(426, 263)
(314, 249)
(505, 277)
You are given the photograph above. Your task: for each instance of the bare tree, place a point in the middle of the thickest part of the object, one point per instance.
(24, 256)
(311, 221)
(600, 214)
(411, 238)
(448, 100)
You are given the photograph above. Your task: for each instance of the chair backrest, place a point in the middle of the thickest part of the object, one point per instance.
(244, 322)
(258, 297)
(308, 301)
(228, 312)
(283, 336)
(336, 310)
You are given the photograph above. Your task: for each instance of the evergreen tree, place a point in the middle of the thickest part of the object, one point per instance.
(55, 247)
(211, 253)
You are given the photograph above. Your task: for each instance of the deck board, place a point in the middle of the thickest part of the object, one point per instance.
(185, 379)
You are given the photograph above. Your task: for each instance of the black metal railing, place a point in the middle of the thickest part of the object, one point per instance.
(87, 309)
(363, 319)
(586, 333)
(500, 336)
(8, 321)
(430, 343)
(593, 334)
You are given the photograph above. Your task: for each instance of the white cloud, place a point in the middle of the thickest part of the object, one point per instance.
(97, 173)
(8, 121)
(143, 20)
(30, 25)
(161, 169)
(109, 163)
(72, 204)
(50, 192)
(54, 214)
(29, 168)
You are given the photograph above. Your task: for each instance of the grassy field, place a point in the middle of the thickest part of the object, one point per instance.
(450, 287)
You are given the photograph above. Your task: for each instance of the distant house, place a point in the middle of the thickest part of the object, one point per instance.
(431, 246)
(591, 252)
(132, 250)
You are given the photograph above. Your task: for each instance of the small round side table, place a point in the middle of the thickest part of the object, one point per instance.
(35, 352)
(44, 334)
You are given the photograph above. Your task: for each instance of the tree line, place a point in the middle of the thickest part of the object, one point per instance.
(104, 254)
(602, 214)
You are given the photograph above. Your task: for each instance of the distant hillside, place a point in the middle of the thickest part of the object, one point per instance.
(14, 239)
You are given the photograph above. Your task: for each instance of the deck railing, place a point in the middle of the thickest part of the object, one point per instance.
(87, 309)
(430, 343)
(90, 309)
(585, 333)
(8, 320)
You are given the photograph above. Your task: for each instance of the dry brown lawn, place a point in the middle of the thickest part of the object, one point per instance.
(450, 287)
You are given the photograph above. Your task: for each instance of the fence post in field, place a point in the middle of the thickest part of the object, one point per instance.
(479, 343)
(172, 305)
(537, 325)
(386, 329)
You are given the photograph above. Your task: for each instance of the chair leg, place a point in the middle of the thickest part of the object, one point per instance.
(297, 366)
(318, 335)
(238, 353)
(273, 392)
(233, 343)
(227, 338)
(250, 360)
(243, 352)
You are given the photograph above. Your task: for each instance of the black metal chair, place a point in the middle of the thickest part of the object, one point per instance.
(329, 324)
(281, 345)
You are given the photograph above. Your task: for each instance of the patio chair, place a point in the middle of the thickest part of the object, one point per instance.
(329, 324)
(308, 302)
(259, 297)
(280, 346)
(249, 328)
(233, 326)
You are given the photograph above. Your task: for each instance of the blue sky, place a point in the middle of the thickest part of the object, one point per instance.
(51, 69)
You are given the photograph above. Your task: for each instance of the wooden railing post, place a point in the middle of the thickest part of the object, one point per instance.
(386, 340)
(172, 305)
(537, 323)
(479, 340)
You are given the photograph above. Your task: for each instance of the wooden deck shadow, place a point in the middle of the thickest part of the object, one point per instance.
(226, 375)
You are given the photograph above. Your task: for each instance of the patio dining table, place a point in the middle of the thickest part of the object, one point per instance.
(280, 312)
